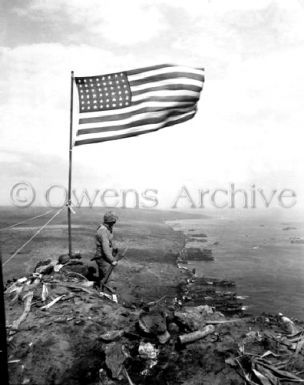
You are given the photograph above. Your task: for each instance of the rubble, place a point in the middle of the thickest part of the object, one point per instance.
(213, 292)
(112, 335)
(147, 351)
(154, 322)
(195, 317)
(197, 335)
(45, 267)
(64, 331)
(50, 304)
(116, 355)
(75, 266)
(27, 298)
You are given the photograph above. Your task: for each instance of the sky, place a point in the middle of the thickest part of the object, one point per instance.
(249, 126)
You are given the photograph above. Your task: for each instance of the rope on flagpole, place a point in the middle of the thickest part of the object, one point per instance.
(26, 220)
(29, 240)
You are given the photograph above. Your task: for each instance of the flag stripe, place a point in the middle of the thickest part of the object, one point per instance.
(164, 93)
(137, 128)
(168, 87)
(163, 83)
(166, 70)
(133, 121)
(135, 132)
(156, 67)
(173, 75)
(140, 70)
(159, 105)
(166, 99)
(116, 118)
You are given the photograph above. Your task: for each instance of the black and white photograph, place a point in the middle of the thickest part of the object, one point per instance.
(151, 200)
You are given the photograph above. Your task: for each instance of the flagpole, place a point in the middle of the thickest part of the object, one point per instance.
(3, 341)
(70, 165)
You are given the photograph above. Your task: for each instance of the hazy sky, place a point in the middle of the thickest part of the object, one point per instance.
(250, 120)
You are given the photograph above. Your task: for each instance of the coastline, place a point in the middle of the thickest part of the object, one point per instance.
(258, 253)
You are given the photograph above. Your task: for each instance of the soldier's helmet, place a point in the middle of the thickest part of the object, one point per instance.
(110, 217)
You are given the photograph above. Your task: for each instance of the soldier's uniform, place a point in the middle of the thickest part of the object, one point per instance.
(105, 252)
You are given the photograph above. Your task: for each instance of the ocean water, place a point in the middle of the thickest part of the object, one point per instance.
(256, 252)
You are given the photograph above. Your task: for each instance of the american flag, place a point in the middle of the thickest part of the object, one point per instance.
(130, 103)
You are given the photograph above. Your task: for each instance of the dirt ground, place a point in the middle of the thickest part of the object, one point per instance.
(148, 270)
(85, 338)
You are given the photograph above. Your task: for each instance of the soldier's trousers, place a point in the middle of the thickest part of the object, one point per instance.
(102, 266)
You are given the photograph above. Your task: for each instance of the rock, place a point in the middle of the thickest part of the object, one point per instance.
(116, 354)
(45, 267)
(112, 335)
(193, 317)
(63, 259)
(189, 321)
(164, 337)
(153, 322)
(76, 267)
(173, 327)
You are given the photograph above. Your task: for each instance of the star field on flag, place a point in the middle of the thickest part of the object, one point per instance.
(98, 93)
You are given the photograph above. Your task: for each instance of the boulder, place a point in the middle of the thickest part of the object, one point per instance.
(153, 322)
(194, 317)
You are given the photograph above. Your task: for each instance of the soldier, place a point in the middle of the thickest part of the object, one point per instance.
(105, 252)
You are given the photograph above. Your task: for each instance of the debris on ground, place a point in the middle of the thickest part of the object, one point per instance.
(154, 322)
(63, 330)
(196, 317)
(116, 355)
(112, 335)
(197, 335)
(149, 353)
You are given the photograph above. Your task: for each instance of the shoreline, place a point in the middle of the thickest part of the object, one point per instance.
(258, 255)
(200, 290)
